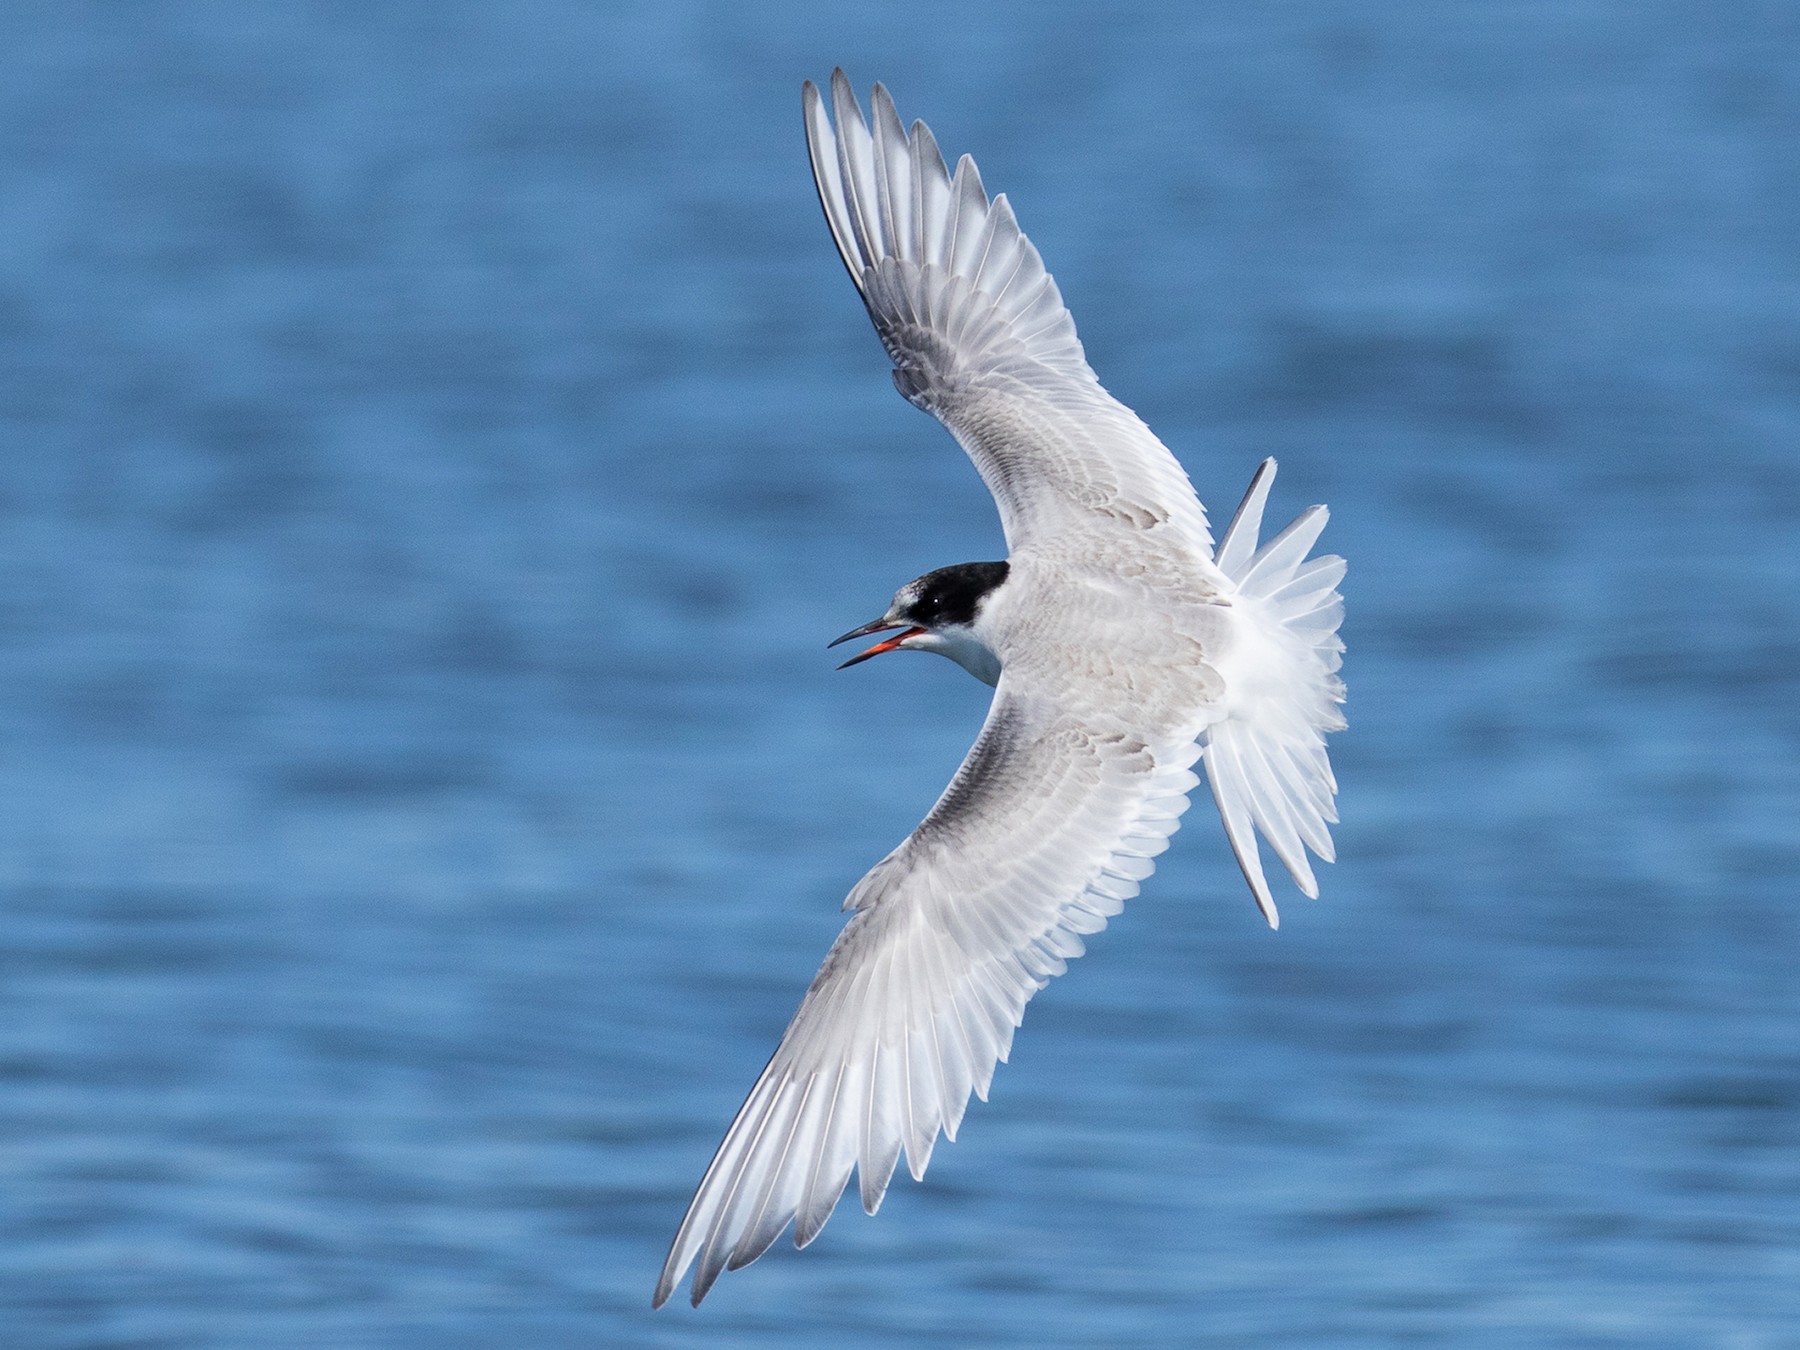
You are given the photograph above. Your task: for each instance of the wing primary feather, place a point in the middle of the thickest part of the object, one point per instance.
(856, 165)
(971, 218)
(955, 1053)
(944, 1056)
(771, 1212)
(877, 1129)
(909, 1097)
(813, 1142)
(712, 1254)
(922, 1065)
(883, 1138)
(1019, 260)
(831, 1170)
(893, 199)
(934, 193)
(689, 1236)
(822, 149)
(985, 243)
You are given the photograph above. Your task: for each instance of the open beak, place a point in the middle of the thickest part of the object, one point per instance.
(878, 626)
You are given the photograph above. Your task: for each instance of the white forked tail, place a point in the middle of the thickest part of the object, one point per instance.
(1266, 758)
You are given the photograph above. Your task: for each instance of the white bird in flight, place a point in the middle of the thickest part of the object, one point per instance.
(1123, 646)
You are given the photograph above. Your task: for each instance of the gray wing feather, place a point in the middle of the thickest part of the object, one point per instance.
(979, 335)
(1045, 832)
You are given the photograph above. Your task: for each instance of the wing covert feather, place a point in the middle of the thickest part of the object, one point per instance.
(1044, 832)
(980, 337)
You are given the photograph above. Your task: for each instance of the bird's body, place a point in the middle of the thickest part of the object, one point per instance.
(1122, 643)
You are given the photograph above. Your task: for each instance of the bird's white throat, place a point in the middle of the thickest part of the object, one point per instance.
(962, 646)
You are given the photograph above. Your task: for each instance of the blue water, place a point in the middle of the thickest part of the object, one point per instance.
(439, 441)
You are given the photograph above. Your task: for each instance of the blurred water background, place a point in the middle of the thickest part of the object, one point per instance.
(438, 441)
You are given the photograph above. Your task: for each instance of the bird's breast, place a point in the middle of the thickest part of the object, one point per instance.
(1140, 638)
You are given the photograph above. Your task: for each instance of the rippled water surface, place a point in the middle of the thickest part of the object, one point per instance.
(439, 441)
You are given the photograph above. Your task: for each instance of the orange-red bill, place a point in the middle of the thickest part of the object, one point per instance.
(891, 644)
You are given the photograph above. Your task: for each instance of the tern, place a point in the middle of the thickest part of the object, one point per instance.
(1123, 648)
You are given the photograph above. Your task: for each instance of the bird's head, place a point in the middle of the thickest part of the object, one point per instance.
(940, 612)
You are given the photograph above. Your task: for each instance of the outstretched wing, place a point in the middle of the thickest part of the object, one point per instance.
(1047, 829)
(979, 335)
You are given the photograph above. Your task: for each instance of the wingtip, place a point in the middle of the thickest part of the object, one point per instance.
(1266, 903)
(670, 1276)
(710, 1271)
